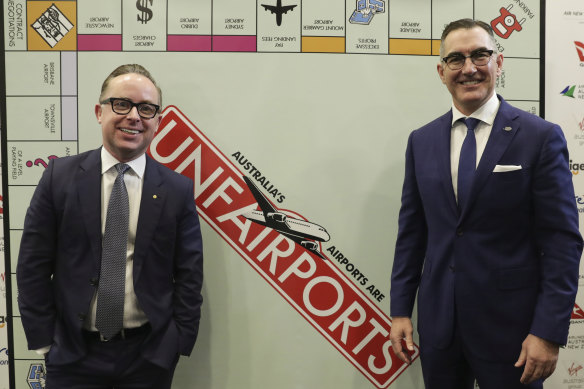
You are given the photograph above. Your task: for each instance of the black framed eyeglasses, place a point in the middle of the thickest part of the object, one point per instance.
(478, 57)
(124, 106)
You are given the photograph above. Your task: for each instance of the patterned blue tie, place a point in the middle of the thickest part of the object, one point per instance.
(467, 162)
(111, 290)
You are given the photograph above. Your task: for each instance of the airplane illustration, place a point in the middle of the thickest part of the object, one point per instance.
(278, 9)
(300, 231)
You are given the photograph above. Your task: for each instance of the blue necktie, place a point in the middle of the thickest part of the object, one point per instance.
(109, 316)
(467, 162)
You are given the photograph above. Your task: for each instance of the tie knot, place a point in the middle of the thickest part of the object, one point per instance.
(122, 168)
(471, 123)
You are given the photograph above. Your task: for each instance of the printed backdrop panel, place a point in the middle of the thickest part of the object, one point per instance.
(565, 106)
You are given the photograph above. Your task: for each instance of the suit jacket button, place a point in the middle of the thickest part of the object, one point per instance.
(452, 268)
(81, 316)
(459, 232)
(93, 282)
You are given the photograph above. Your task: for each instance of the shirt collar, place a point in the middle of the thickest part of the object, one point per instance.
(138, 165)
(486, 112)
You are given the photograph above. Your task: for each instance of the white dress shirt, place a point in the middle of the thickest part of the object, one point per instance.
(486, 114)
(133, 178)
(134, 316)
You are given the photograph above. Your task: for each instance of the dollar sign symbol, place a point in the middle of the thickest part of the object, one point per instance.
(146, 13)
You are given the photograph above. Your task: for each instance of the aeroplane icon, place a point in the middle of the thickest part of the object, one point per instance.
(303, 232)
(278, 9)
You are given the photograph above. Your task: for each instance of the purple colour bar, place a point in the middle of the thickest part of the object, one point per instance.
(99, 42)
(188, 43)
(234, 43)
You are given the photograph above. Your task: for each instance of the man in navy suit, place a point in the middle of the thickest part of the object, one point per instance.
(494, 259)
(60, 267)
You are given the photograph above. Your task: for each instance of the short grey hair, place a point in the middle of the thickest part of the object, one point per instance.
(127, 69)
(467, 24)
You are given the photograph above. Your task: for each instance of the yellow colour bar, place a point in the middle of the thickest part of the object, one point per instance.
(410, 46)
(323, 44)
(436, 47)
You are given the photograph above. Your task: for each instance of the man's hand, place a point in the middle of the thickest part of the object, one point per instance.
(402, 329)
(539, 357)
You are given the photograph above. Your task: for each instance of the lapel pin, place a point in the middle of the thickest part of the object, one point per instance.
(507, 129)
(154, 197)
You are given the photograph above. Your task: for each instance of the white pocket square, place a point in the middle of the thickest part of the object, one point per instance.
(506, 168)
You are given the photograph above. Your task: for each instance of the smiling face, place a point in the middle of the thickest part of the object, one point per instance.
(472, 85)
(128, 136)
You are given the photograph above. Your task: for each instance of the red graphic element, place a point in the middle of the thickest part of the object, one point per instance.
(40, 161)
(1, 205)
(504, 24)
(580, 50)
(577, 313)
(574, 369)
(314, 287)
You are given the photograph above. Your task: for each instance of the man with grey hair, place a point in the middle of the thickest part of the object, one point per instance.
(110, 267)
(488, 233)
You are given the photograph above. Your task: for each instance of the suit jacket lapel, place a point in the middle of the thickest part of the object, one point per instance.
(89, 194)
(443, 144)
(151, 204)
(504, 129)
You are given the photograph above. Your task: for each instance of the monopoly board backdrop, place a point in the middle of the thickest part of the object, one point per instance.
(4, 360)
(297, 108)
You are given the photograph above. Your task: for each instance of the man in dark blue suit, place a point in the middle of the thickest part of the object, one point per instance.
(61, 273)
(493, 254)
